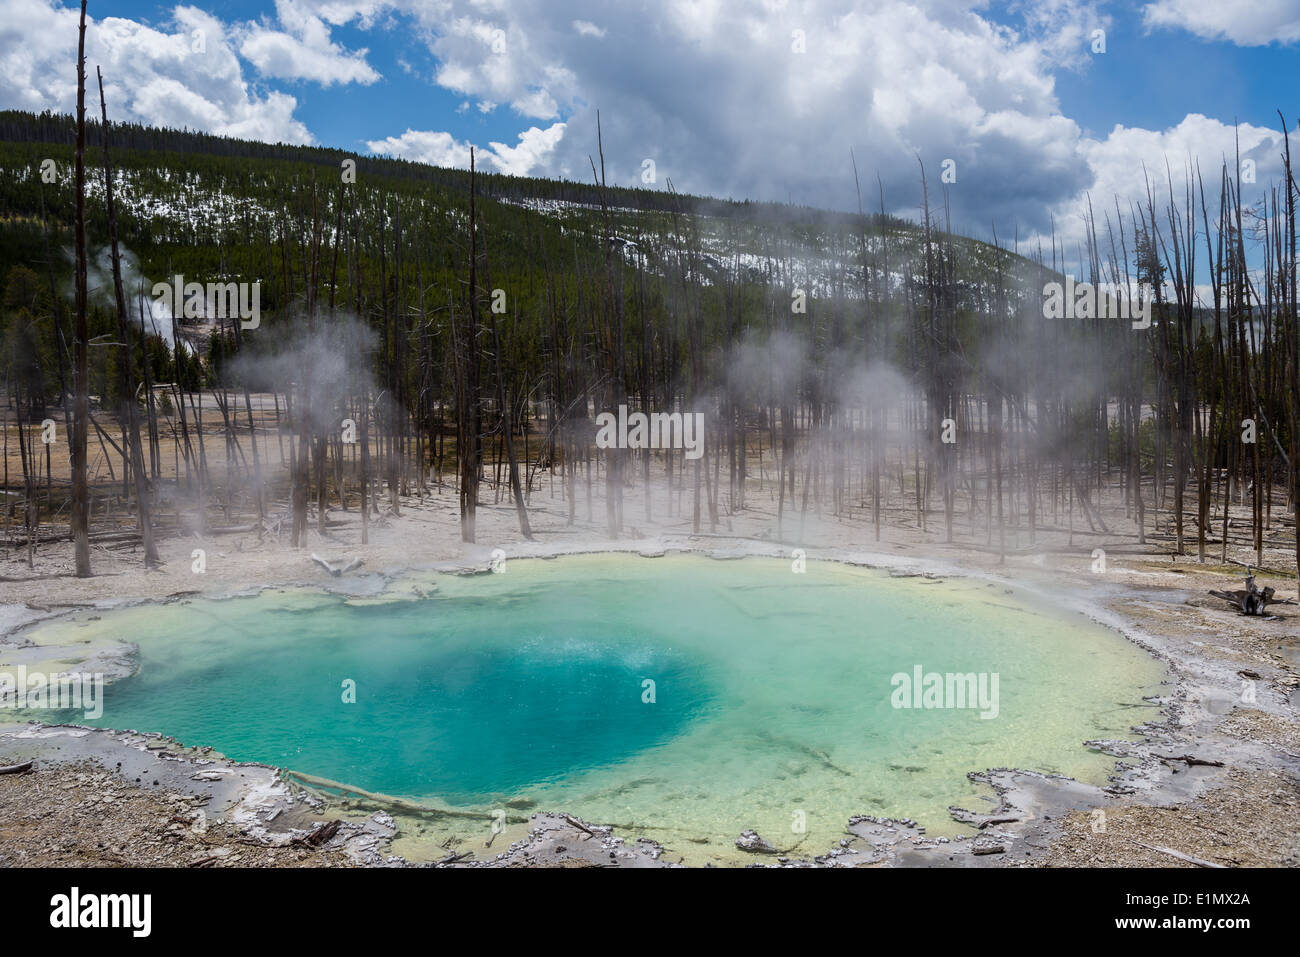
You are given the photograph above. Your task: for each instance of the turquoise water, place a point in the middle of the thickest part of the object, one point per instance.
(771, 691)
(460, 699)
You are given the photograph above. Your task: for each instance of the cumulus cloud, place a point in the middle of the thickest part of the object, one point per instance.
(1244, 22)
(442, 149)
(765, 99)
(187, 75)
(762, 99)
(1063, 29)
(437, 148)
(302, 49)
(535, 147)
(537, 105)
(1130, 160)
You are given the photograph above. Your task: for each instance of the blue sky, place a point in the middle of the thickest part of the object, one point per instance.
(1139, 85)
(741, 98)
(348, 116)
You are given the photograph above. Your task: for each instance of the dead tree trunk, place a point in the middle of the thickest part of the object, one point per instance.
(124, 330)
(81, 384)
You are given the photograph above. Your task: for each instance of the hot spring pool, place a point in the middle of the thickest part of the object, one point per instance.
(681, 697)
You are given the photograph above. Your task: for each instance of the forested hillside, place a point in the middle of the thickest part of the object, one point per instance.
(419, 326)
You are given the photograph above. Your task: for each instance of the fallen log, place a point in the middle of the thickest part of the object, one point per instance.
(16, 768)
(98, 538)
(1178, 854)
(1251, 600)
(1190, 760)
(997, 820)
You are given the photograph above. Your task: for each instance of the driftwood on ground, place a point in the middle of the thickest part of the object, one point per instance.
(321, 836)
(1190, 760)
(337, 571)
(1178, 854)
(1251, 600)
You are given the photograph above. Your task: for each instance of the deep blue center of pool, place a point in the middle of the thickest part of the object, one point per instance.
(444, 707)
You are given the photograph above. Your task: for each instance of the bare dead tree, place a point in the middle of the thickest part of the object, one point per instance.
(80, 335)
(124, 331)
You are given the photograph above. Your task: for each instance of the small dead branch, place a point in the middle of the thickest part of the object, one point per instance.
(1178, 854)
(322, 835)
(579, 825)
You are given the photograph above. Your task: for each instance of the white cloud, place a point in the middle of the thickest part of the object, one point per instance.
(1063, 29)
(535, 147)
(716, 94)
(302, 49)
(186, 76)
(1244, 22)
(424, 146)
(537, 105)
(443, 149)
(713, 91)
(1130, 159)
(339, 12)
